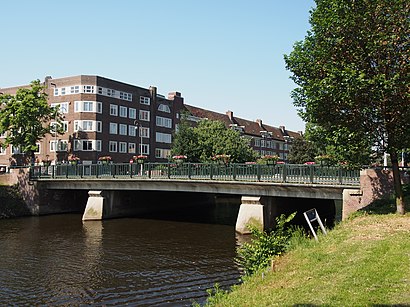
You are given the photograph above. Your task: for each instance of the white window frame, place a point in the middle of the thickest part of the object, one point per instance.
(145, 100)
(123, 111)
(164, 108)
(122, 129)
(132, 130)
(144, 115)
(144, 132)
(132, 113)
(113, 128)
(163, 122)
(163, 137)
(132, 148)
(122, 147)
(144, 149)
(113, 146)
(113, 109)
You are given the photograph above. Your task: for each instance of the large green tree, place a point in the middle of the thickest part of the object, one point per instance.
(302, 151)
(352, 72)
(25, 118)
(210, 138)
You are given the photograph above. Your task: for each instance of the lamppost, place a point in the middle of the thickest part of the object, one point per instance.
(138, 127)
(55, 131)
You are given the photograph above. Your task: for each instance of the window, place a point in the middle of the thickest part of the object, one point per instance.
(100, 90)
(113, 109)
(63, 91)
(2, 150)
(263, 143)
(162, 153)
(125, 96)
(123, 111)
(162, 137)
(63, 125)
(15, 150)
(87, 125)
(56, 92)
(61, 145)
(99, 126)
(112, 146)
(131, 147)
(123, 147)
(132, 130)
(164, 122)
(113, 128)
(164, 108)
(123, 129)
(99, 107)
(62, 107)
(87, 145)
(37, 150)
(144, 149)
(145, 100)
(88, 89)
(257, 142)
(74, 89)
(144, 115)
(88, 106)
(144, 132)
(132, 113)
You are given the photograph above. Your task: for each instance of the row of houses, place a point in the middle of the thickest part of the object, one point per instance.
(104, 117)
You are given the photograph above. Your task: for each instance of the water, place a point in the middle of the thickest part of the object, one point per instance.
(57, 260)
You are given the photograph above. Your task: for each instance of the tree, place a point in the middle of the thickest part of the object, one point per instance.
(345, 147)
(352, 72)
(302, 151)
(208, 139)
(25, 117)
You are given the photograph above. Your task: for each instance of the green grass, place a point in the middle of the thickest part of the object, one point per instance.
(364, 261)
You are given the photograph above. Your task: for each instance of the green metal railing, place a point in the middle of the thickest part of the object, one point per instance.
(281, 173)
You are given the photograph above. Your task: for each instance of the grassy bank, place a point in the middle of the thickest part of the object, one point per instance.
(362, 262)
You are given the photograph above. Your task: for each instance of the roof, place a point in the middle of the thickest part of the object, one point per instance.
(251, 128)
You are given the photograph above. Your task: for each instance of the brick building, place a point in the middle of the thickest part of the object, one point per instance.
(264, 139)
(104, 117)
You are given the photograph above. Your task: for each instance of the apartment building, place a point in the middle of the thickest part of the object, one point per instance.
(104, 117)
(264, 139)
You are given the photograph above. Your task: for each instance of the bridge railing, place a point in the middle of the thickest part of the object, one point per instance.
(286, 173)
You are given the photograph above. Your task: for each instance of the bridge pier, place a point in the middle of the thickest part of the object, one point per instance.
(256, 210)
(99, 205)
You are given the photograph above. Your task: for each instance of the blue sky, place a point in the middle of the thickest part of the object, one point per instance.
(220, 54)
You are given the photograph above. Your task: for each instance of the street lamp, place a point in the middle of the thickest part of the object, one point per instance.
(138, 127)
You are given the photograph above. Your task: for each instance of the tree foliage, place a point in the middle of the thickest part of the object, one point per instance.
(352, 72)
(208, 139)
(302, 151)
(25, 117)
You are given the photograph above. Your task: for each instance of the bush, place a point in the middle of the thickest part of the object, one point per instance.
(264, 245)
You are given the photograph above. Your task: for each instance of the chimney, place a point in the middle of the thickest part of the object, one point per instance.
(47, 79)
(259, 121)
(172, 95)
(282, 128)
(230, 115)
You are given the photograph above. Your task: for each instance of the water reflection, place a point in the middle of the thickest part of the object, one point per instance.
(58, 260)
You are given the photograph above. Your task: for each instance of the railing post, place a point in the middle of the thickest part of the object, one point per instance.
(284, 170)
(211, 171)
(340, 175)
(258, 172)
(169, 170)
(149, 170)
(311, 172)
(189, 170)
(53, 171)
(234, 171)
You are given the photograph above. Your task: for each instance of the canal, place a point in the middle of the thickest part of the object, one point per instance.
(58, 260)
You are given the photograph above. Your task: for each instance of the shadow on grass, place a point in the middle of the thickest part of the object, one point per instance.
(387, 206)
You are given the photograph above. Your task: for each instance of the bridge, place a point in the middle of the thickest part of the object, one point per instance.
(261, 186)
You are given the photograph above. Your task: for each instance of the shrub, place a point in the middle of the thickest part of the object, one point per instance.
(264, 245)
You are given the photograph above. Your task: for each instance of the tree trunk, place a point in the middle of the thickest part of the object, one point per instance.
(397, 184)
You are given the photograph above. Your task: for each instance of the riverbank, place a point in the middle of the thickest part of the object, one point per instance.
(363, 261)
